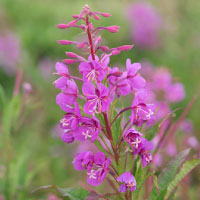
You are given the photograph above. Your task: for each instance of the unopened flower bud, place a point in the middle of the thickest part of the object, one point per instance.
(27, 87)
(75, 16)
(65, 42)
(71, 55)
(104, 48)
(112, 29)
(115, 52)
(105, 14)
(70, 61)
(96, 17)
(62, 26)
(125, 47)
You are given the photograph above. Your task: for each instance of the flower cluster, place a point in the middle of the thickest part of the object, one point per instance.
(164, 90)
(88, 111)
(145, 24)
(10, 52)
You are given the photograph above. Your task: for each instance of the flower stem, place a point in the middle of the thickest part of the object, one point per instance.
(122, 111)
(108, 129)
(89, 36)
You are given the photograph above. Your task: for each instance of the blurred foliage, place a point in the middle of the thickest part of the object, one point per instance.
(30, 155)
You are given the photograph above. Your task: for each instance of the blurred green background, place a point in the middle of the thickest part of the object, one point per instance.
(33, 155)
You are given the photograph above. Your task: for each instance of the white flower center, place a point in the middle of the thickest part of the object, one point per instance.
(87, 134)
(92, 174)
(136, 142)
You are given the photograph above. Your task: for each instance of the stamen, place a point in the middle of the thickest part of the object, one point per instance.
(136, 142)
(92, 174)
(86, 134)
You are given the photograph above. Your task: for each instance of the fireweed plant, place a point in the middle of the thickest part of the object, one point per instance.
(91, 114)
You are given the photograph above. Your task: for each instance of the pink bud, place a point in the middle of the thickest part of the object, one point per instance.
(96, 17)
(115, 52)
(69, 61)
(72, 23)
(104, 48)
(71, 55)
(65, 42)
(27, 87)
(125, 47)
(117, 74)
(105, 14)
(62, 26)
(112, 29)
(81, 45)
(75, 16)
(91, 26)
(82, 26)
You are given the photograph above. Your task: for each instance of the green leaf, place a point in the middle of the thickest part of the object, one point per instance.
(99, 146)
(116, 127)
(10, 113)
(140, 183)
(168, 174)
(151, 133)
(2, 98)
(187, 167)
(72, 193)
(112, 109)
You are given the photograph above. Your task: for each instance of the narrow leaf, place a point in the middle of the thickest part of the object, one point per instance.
(187, 167)
(72, 193)
(168, 174)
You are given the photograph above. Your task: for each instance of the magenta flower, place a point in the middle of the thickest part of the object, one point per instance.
(67, 136)
(135, 80)
(83, 160)
(97, 98)
(134, 139)
(117, 81)
(161, 79)
(62, 71)
(128, 182)
(145, 154)
(92, 71)
(68, 95)
(46, 67)
(175, 93)
(101, 120)
(71, 118)
(89, 129)
(142, 112)
(186, 126)
(10, 52)
(145, 25)
(99, 170)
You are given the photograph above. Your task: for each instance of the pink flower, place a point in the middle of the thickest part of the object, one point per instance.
(88, 129)
(92, 71)
(117, 81)
(128, 182)
(176, 92)
(97, 166)
(142, 112)
(68, 95)
(71, 118)
(99, 170)
(145, 25)
(97, 98)
(134, 139)
(135, 80)
(145, 154)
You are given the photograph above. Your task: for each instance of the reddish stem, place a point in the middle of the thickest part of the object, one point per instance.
(17, 82)
(122, 111)
(90, 37)
(108, 129)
